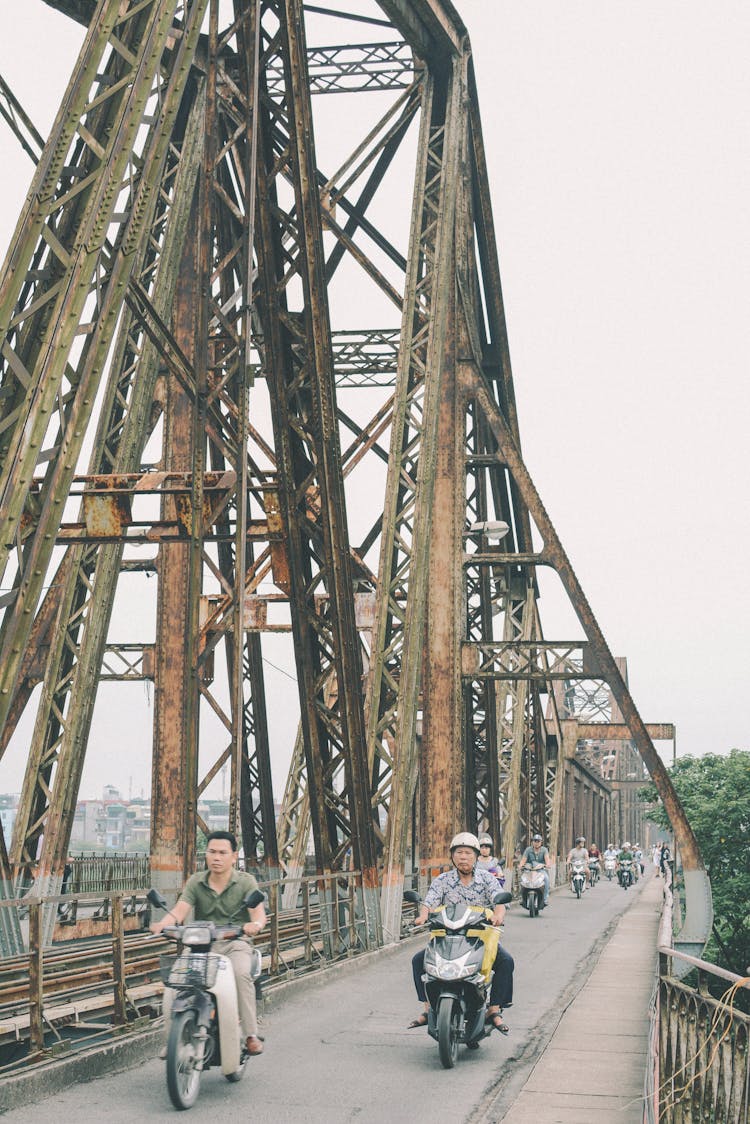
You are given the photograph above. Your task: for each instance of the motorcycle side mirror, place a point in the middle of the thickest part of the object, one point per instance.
(157, 899)
(411, 896)
(253, 899)
(502, 899)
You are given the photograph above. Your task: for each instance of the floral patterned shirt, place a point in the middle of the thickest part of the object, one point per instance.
(448, 889)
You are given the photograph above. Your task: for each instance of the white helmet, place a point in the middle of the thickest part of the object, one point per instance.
(485, 839)
(464, 839)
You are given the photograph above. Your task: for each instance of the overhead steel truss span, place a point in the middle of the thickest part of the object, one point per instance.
(261, 332)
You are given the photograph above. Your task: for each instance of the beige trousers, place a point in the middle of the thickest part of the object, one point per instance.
(239, 954)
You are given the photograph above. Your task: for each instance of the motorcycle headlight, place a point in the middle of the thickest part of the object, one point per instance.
(451, 969)
(193, 935)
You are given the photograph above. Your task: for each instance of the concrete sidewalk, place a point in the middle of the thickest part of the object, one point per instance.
(592, 1070)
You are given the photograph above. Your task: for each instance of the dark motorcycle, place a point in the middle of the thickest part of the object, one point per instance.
(626, 873)
(456, 987)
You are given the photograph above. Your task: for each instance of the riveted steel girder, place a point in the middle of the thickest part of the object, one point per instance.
(298, 360)
(420, 658)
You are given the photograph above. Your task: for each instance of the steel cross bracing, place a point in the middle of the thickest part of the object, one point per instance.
(300, 404)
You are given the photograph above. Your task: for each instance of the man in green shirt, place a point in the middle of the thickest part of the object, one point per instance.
(217, 894)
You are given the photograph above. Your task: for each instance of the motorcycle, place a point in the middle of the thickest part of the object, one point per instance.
(626, 873)
(594, 871)
(610, 866)
(456, 983)
(532, 888)
(204, 1028)
(577, 878)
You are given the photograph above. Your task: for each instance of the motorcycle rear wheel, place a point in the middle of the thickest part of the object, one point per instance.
(448, 1023)
(183, 1079)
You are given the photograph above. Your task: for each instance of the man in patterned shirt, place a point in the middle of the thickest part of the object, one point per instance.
(470, 884)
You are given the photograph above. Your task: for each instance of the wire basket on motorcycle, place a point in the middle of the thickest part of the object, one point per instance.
(189, 970)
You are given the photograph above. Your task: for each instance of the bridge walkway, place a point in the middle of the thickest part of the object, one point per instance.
(338, 1049)
(593, 1068)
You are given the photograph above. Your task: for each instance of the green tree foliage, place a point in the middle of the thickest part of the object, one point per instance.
(715, 793)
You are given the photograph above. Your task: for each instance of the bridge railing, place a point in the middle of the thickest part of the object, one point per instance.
(117, 976)
(700, 1042)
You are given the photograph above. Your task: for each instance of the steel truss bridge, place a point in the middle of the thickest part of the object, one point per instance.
(253, 346)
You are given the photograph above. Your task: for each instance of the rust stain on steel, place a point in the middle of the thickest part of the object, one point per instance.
(106, 516)
(279, 555)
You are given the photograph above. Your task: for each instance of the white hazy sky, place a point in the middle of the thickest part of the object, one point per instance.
(619, 165)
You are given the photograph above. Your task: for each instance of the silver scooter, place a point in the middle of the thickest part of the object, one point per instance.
(455, 985)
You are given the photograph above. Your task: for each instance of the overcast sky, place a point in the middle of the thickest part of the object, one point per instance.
(618, 158)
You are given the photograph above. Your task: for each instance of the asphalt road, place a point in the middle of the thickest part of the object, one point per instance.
(340, 1051)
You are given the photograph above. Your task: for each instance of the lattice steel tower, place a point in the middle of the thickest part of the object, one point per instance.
(253, 343)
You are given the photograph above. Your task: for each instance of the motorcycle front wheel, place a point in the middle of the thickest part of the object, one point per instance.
(183, 1079)
(448, 1028)
(533, 905)
(578, 889)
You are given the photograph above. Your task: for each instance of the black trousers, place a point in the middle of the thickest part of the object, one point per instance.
(501, 991)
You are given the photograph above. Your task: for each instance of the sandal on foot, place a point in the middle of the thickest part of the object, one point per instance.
(421, 1020)
(496, 1019)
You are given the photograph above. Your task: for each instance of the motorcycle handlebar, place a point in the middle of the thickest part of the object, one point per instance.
(174, 933)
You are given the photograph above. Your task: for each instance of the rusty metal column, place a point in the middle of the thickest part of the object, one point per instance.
(442, 769)
(172, 790)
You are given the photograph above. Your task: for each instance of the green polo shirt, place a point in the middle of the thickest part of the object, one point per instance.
(226, 908)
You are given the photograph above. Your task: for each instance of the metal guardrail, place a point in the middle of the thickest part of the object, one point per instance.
(700, 1044)
(327, 925)
(106, 873)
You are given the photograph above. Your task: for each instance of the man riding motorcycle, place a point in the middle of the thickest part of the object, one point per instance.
(217, 894)
(580, 854)
(469, 883)
(534, 854)
(625, 855)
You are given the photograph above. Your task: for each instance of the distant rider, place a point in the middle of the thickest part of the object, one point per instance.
(595, 858)
(532, 856)
(489, 861)
(579, 854)
(471, 884)
(625, 855)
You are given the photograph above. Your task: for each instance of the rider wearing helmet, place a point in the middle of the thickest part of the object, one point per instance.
(536, 854)
(625, 855)
(471, 884)
(580, 854)
(488, 860)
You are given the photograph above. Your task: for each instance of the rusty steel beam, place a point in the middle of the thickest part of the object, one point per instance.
(433, 28)
(298, 358)
(83, 595)
(618, 731)
(38, 334)
(699, 912)
(174, 762)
